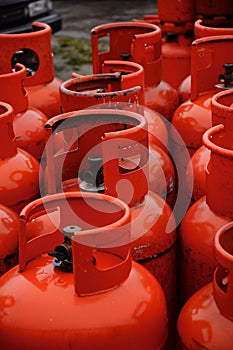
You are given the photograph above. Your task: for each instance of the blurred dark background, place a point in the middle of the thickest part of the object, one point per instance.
(78, 17)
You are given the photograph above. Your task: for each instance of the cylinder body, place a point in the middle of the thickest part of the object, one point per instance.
(19, 170)
(221, 113)
(117, 164)
(9, 239)
(101, 275)
(206, 215)
(28, 121)
(210, 309)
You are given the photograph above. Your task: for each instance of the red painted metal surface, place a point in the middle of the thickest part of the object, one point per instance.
(111, 155)
(19, 171)
(184, 89)
(207, 215)
(176, 11)
(176, 48)
(193, 117)
(222, 113)
(103, 274)
(204, 28)
(176, 20)
(116, 85)
(90, 90)
(118, 137)
(33, 49)
(131, 77)
(9, 238)
(176, 52)
(162, 176)
(197, 165)
(213, 8)
(216, 26)
(206, 320)
(28, 121)
(139, 42)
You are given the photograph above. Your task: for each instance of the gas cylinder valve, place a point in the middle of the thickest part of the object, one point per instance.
(63, 252)
(28, 59)
(226, 79)
(93, 178)
(125, 56)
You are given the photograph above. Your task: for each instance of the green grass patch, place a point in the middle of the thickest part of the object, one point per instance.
(74, 52)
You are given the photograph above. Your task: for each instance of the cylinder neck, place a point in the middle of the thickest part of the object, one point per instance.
(104, 235)
(208, 55)
(219, 180)
(8, 145)
(205, 27)
(223, 276)
(12, 89)
(222, 111)
(132, 74)
(107, 146)
(27, 48)
(131, 41)
(179, 34)
(91, 90)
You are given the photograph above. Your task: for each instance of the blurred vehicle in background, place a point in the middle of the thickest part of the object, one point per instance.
(16, 16)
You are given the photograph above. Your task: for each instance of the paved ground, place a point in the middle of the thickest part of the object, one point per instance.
(71, 45)
(80, 16)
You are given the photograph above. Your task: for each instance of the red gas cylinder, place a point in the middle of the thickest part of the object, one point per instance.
(176, 22)
(19, 171)
(139, 42)
(9, 238)
(33, 49)
(107, 151)
(28, 121)
(124, 86)
(176, 51)
(204, 28)
(193, 117)
(112, 87)
(213, 8)
(206, 320)
(222, 113)
(83, 280)
(207, 215)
